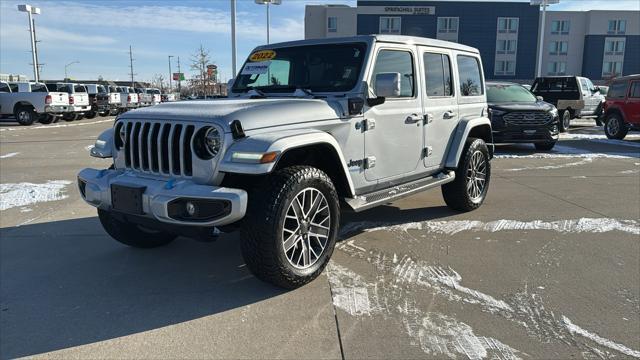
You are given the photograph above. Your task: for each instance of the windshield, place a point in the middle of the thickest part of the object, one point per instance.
(508, 93)
(319, 68)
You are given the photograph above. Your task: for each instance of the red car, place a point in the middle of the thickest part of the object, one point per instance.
(622, 107)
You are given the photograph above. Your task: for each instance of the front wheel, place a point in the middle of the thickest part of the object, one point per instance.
(545, 146)
(291, 226)
(565, 121)
(615, 127)
(468, 191)
(131, 234)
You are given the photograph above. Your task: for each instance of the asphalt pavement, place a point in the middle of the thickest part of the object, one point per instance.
(548, 267)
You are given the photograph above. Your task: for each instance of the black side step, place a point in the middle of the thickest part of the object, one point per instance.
(367, 201)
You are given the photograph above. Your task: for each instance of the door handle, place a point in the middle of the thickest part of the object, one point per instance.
(412, 119)
(449, 115)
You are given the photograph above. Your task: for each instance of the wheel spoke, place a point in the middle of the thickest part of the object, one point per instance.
(291, 241)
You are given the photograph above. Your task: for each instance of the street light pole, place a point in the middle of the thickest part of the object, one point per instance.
(170, 74)
(544, 4)
(233, 37)
(67, 66)
(31, 10)
(268, 2)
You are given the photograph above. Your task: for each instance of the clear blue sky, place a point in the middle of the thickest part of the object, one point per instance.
(98, 33)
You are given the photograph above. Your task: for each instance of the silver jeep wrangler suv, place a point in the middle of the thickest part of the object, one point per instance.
(310, 128)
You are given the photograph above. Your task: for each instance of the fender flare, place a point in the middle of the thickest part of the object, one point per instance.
(279, 142)
(460, 138)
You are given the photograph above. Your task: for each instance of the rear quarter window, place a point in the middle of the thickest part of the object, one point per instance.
(617, 90)
(469, 76)
(635, 90)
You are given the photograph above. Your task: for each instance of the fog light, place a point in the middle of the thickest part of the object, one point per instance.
(191, 208)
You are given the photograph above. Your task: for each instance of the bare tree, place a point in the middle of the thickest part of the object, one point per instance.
(199, 62)
(158, 81)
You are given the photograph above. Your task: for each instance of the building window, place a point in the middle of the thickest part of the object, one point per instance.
(560, 27)
(508, 25)
(558, 47)
(614, 46)
(389, 25)
(506, 47)
(332, 24)
(447, 25)
(612, 68)
(617, 27)
(504, 67)
(557, 68)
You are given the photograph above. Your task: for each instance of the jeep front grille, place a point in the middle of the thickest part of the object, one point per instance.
(162, 148)
(527, 118)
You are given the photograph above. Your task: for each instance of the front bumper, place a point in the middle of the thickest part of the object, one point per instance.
(161, 195)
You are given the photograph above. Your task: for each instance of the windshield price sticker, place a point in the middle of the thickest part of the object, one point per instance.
(256, 68)
(262, 55)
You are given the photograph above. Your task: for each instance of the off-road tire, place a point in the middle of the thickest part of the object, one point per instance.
(614, 127)
(455, 193)
(131, 234)
(25, 115)
(545, 146)
(262, 244)
(565, 120)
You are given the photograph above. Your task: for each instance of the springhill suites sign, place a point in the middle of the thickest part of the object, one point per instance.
(397, 10)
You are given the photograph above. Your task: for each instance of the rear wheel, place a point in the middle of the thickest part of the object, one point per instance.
(468, 191)
(545, 146)
(131, 234)
(565, 120)
(615, 128)
(70, 116)
(291, 226)
(25, 115)
(90, 114)
(46, 119)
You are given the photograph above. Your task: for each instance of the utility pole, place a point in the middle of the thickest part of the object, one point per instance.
(131, 66)
(170, 74)
(233, 37)
(35, 48)
(179, 78)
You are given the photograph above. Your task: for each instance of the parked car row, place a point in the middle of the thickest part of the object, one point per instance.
(29, 102)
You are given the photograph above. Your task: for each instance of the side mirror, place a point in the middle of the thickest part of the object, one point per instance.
(387, 85)
(539, 98)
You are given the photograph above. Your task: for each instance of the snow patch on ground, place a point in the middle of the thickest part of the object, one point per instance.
(9, 155)
(23, 194)
(89, 147)
(55, 126)
(602, 139)
(349, 290)
(582, 225)
(561, 151)
(553, 167)
(575, 329)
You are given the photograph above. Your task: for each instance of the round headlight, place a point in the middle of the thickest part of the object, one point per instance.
(212, 141)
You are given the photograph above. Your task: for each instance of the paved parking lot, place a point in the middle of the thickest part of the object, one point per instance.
(549, 267)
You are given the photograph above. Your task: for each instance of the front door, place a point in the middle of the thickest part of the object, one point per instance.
(440, 105)
(632, 104)
(393, 134)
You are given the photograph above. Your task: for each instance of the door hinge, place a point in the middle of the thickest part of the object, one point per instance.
(426, 152)
(370, 162)
(428, 119)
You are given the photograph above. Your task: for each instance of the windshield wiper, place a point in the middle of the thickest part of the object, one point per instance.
(256, 93)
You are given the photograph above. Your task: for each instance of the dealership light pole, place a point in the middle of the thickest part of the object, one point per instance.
(233, 37)
(170, 74)
(32, 10)
(544, 4)
(67, 67)
(268, 2)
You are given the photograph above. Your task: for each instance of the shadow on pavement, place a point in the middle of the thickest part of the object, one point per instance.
(66, 283)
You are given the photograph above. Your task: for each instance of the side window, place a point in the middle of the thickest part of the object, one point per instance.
(469, 76)
(38, 88)
(4, 88)
(395, 61)
(584, 85)
(437, 74)
(635, 90)
(14, 87)
(617, 90)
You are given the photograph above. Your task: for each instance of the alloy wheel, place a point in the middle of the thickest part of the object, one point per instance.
(612, 126)
(306, 228)
(476, 176)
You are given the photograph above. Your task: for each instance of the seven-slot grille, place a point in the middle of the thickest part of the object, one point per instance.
(159, 147)
(527, 118)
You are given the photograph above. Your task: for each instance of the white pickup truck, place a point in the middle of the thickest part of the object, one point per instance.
(78, 100)
(115, 99)
(144, 98)
(129, 98)
(156, 97)
(31, 101)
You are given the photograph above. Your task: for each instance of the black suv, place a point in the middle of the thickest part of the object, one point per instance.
(518, 116)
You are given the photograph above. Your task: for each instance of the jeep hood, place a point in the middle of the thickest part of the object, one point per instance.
(252, 113)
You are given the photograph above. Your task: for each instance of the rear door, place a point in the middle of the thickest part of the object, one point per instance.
(590, 99)
(395, 143)
(440, 104)
(632, 104)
